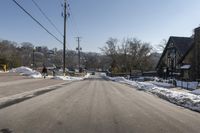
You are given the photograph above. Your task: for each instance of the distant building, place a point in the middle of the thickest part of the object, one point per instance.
(181, 58)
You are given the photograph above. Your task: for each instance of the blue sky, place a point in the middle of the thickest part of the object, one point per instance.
(97, 20)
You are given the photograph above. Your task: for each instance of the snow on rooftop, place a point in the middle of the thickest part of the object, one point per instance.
(185, 67)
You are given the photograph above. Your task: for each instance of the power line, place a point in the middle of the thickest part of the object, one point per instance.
(74, 24)
(43, 13)
(36, 21)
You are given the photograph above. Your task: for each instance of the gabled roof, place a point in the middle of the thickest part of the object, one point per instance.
(183, 57)
(182, 44)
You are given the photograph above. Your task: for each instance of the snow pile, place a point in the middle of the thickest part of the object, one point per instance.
(196, 92)
(69, 78)
(103, 74)
(162, 84)
(27, 72)
(184, 99)
(1, 71)
(87, 75)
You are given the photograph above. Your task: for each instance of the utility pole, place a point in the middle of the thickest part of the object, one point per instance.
(33, 59)
(64, 37)
(79, 53)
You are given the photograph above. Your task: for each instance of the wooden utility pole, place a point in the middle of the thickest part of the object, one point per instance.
(79, 53)
(64, 37)
(33, 59)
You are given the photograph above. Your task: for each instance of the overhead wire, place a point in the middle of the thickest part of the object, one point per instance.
(73, 20)
(74, 26)
(48, 19)
(37, 21)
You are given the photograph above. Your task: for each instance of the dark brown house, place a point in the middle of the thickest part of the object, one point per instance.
(181, 58)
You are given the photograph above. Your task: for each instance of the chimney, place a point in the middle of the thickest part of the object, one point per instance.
(197, 52)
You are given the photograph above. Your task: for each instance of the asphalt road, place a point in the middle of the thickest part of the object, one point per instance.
(12, 83)
(97, 106)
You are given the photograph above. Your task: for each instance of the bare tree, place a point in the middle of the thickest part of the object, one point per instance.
(132, 54)
(111, 50)
(161, 46)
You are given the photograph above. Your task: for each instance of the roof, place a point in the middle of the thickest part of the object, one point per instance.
(182, 44)
(183, 57)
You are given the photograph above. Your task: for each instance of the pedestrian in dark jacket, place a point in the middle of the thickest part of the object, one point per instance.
(44, 72)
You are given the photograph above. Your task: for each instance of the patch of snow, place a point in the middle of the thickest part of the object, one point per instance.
(197, 92)
(3, 71)
(87, 75)
(161, 84)
(69, 78)
(103, 74)
(26, 71)
(184, 99)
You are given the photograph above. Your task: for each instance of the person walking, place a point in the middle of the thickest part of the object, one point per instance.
(44, 72)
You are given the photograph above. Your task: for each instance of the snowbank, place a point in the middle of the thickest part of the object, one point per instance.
(197, 92)
(184, 99)
(87, 75)
(27, 72)
(3, 71)
(69, 78)
(35, 74)
(161, 84)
